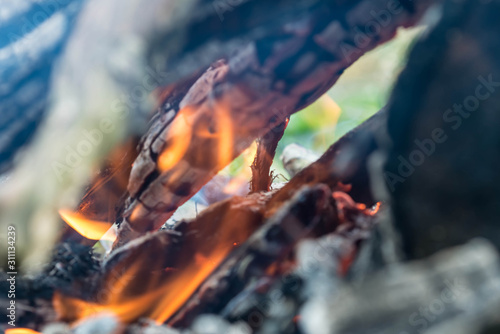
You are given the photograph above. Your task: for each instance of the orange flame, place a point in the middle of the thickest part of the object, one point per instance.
(159, 304)
(93, 230)
(20, 331)
(166, 291)
(225, 124)
(125, 310)
(178, 139)
(179, 292)
(186, 123)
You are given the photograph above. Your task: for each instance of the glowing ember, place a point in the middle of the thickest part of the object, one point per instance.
(376, 208)
(93, 230)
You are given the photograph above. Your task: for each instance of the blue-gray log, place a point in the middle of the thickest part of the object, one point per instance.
(32, 35)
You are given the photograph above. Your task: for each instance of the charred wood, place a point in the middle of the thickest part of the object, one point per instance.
(257, 93)
(73, 270)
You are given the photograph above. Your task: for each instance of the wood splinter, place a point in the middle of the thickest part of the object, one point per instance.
(262, 176)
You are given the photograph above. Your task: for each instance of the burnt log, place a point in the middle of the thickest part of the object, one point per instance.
(442, 166)
(29, 52)
(296, 220)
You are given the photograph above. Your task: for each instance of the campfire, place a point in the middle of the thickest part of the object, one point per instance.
(123, 212)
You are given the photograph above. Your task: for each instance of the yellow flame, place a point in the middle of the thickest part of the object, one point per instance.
(332, 110)
(185, 124)
(20, 331)
(93, 230)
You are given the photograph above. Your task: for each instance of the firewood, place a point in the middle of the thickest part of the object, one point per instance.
(256, 89)
(145, 259)
(268, 205)
(154, 252)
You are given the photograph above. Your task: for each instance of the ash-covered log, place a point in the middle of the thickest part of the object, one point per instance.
(74, 270)
(429, 296)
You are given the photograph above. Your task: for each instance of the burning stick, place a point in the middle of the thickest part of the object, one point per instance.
(156, 275)
(251, 92)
